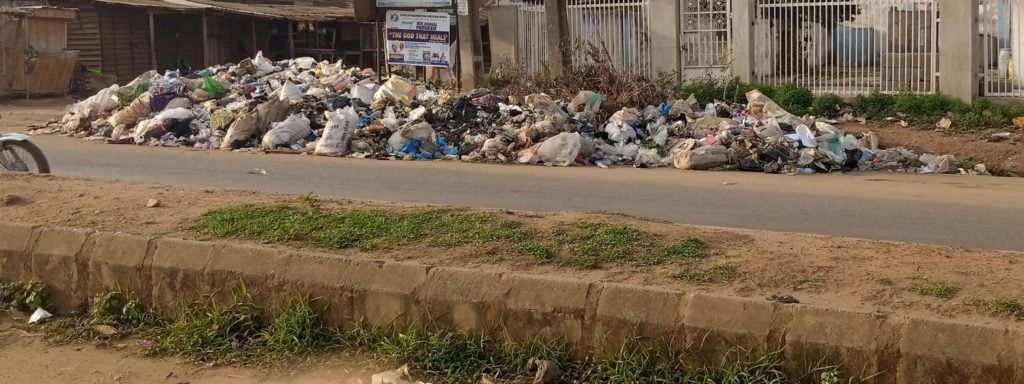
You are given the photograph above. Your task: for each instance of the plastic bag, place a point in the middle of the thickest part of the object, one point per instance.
(363, 93)
(211, 87)
(938, 164)
(587, 101)
(421, 131)
(337, 133)
(620, 125)
(560, 150)
(290, 91)
(396, 89)
(304, 63)
(702, 158)
(763, 107)
(648, 158)
(272, 111)
(805, 136)
(546, 106)
(286, 133)
(263, 65)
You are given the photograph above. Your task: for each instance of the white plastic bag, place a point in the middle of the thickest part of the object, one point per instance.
(805, 136)
(618, 126)
(305, 63)
(337, 133)
(286, 133)
(263, 65)
(363, 93)
(291, 92)
(560, 150)
(395, 89)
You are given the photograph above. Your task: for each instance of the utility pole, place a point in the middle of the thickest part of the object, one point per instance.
(471, 49)
(557, 32)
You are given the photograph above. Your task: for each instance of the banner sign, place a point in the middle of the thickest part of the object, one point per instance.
(414, 3)
(418, 38)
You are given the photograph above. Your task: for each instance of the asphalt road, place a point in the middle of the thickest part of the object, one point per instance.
(978, 212)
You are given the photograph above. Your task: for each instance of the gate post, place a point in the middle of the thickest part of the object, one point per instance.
(743, 43)
(557, 36)
(504, 33)
(665, 48)
(958, 49)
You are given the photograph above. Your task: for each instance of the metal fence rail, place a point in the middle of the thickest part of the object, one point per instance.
(848, 47)
(1002, 40)
(706, 37)
(532, 45)
(621, 28)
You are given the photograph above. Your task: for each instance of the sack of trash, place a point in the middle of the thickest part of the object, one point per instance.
(286, 133)
(341, 124)
(702, 158)
(560, 150)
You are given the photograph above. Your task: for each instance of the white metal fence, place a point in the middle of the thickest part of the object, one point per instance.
(619, 27)
(705, 37)
(1002, 40)
(848, 47)
(532, 43)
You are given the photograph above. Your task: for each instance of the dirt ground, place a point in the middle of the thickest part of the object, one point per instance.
(827, 271)
(26, 358)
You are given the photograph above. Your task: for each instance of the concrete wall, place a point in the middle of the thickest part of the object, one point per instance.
(596, 317)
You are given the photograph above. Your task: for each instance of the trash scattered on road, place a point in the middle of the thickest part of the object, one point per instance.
(257, 171)
(323, 108)
(153, 203)
(39, 316)
(545, 372)
(104, 330)
(783, 299)
(400, 375)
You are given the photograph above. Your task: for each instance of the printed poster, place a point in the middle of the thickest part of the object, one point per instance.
(418, 38)
(414, 3)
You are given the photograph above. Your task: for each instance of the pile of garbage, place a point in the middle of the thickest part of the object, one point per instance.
(322, 108)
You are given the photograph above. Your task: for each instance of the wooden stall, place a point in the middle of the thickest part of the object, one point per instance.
(35, 56)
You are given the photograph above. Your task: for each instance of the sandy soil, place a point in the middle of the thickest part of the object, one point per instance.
(828, 271)
(26, 358)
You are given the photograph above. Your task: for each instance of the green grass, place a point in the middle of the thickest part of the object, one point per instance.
(939, 290)
(1008, 307)
(207, 331)
(540, 252)
(583, 245)
(366, 229)
(721, 273)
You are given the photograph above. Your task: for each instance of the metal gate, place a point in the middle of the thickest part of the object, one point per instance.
(705, 37)
(848, 47)
(619, 28)
(532, 45)
(1001, 40)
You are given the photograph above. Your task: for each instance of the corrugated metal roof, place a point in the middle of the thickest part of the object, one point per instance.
(270, 11)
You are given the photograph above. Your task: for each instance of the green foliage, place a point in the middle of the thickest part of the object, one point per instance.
(541, 253)
(1007, 306)
(297, 330)
(794, 98)
(24, 296)
(940, 290)
(208, 331)
(827, 105)
(721, 273)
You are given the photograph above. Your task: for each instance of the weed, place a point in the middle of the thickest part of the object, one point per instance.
(308, 200)
(595, 244)
(940, 290)
(24, 296)
(361, 228)
(297, 330)
(123, 311)
(794, 98)
(689, 248)
(1007, 306)
(207, 331)
(540, 252)
(827, 105)
(720, 273)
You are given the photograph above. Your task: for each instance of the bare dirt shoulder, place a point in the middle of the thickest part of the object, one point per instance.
(26, 358)
(837, 272)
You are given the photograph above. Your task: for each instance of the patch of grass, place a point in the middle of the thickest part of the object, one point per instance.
(688, 248)
(210, 332)
(827, 105)
(540, 252)
(593, 244)
(1007, 306)
(794, 98)
(721, 273)
(24, 296)
(940, 290)
(365, 229)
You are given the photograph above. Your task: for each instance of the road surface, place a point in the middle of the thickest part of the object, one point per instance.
(977, 212)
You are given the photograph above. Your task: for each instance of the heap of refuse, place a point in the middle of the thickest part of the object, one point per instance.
(301, 105)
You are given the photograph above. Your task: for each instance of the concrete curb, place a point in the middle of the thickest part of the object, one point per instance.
(595, 317)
